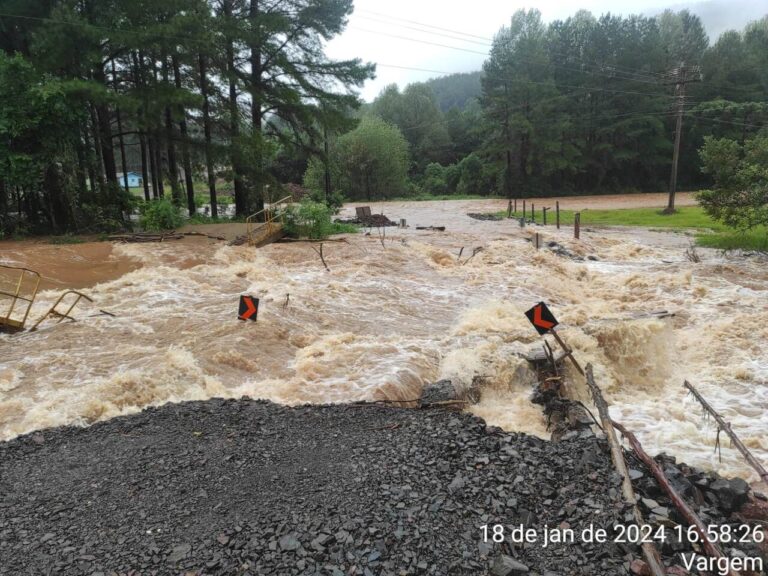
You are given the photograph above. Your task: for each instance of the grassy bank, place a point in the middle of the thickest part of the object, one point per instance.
(709, 233)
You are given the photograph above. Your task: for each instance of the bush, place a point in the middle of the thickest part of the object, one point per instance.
(334, 201)
(160, 215)
(312, 220)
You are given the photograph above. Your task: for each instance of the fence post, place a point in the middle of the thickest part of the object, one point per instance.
(533, 213)
(544, 211)
(577, 225)
(557, 210)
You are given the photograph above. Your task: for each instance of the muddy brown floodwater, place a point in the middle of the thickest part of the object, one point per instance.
(388, 318)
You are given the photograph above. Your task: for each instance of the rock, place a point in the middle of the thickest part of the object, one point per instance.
(650, 504)
(456, 484)
(289, 542)
(440, 391)
(678, 481)
(179, 553)
(635, 474)
(731, 494)
(508, 566)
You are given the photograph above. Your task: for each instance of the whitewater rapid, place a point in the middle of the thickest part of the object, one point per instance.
(390, 317)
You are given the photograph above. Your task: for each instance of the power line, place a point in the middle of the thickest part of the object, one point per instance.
(423, 31)
(418, 41)
(416, 69)
(489, 40)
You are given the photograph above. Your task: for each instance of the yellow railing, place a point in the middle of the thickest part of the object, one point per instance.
(269, 214)
(59, 315)
(34, 278)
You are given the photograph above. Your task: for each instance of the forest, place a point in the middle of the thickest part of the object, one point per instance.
(219, 102)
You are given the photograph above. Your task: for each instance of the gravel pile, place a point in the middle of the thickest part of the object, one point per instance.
(250, 487)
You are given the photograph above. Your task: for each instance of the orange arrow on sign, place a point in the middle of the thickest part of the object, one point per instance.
(251, 308)
(539, 321)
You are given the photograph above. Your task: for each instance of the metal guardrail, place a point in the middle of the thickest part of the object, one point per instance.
(59, 315)
(270, 217)
(8, 321)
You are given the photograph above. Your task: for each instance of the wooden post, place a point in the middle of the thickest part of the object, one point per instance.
(577, 225)
(557, 211)
(726, 427)
(523, 209)
(544, 211)
(537, 240)
(515, 205)
(509, 209)
(568, 351)
(650, 553)
(533, 213)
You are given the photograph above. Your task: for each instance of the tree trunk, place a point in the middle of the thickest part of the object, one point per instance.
(144, 170)
(159, 163)
(256, 103)
(121, 140)
(153, 165)
(82, 168)
(173, 166)
(98, 156)
(203, 65)
(186, 158)
(104, 119)
(241, 194)
(138, 60)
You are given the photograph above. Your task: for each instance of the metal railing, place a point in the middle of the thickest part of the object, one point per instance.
(53, 312)
(8, 321)
(269, 216)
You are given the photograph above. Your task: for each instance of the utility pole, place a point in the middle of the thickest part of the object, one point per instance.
(682, 79)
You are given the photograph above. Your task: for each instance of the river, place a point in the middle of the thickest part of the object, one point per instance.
(395, 312)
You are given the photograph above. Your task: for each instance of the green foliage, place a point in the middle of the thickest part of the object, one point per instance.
(370, 162)
(159, 215)
(471, 180)
(164, 77)
(755, 239)
(434, 179)
(416, 114)
(739, 197)
(312, 220)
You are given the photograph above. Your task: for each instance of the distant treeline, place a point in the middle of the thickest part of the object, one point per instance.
(200, 97)
(188, 94)
(582, 105)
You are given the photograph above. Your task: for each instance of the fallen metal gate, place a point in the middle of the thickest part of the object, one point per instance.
(61, 316)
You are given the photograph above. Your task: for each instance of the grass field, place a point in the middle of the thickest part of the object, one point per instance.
(710, 233)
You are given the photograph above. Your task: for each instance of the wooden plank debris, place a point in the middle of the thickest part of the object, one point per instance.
(651, 554)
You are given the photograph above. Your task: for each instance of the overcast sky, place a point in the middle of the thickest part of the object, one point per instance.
(378, 31)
